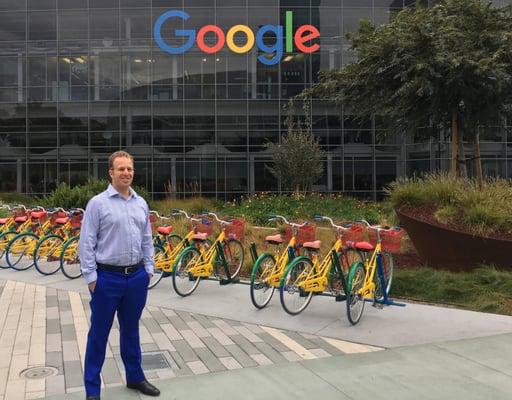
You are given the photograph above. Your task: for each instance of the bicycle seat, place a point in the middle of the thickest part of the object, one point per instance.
(364, 246)
(21, 219)
(164, 230)
(315, 245)
(200, 236)
(274, 239)
(37, 214)
(62, 221)
(3, 221)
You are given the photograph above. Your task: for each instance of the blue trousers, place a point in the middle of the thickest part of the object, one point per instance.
(127, 295)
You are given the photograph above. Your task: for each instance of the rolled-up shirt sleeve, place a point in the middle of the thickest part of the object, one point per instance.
(88, 241)
(148, 250)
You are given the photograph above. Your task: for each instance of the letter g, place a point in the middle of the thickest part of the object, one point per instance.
(157, 32)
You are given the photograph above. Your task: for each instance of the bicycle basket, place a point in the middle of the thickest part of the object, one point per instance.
(354, 234)
(305, 233)
(153, 219)
(235, 230)
(391, 239)
(203, 226)
(76, 220)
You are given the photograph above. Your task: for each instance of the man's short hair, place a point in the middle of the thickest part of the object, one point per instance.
(118, 154)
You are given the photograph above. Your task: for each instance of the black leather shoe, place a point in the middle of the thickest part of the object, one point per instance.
(145, 388)
(92, 398)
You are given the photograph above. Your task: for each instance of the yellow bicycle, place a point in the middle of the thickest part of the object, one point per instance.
(19, 253)
(306, 276)
(18, 222)
(269, 267)
(64, 226)
(370, 279)
(223, 259)
(168, 246)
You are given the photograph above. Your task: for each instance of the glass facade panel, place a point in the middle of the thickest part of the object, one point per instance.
(80, 79)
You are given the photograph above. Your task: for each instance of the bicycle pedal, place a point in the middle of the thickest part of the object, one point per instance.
(224, 281)
(340, 297)
(166, 274)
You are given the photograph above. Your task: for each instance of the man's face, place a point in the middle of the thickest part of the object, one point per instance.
(122, 173)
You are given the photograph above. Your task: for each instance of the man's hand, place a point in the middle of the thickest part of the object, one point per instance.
(92, 286)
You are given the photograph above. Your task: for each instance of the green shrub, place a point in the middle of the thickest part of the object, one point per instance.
(482, 210)
(17, 198)
(259, 207)
(78, 196)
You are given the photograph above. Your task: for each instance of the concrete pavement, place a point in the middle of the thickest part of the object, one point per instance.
(215, 342)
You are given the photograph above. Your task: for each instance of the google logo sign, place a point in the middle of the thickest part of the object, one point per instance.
(274, 52)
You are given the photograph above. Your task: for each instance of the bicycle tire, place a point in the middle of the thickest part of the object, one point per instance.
(70, 263)
(180, 274)
(234, 256)
(355, 301)
(42, 265)
(5, 238)
(346, 258)
(293, 298)
(25, 258)
(258, 270)
(158, 273)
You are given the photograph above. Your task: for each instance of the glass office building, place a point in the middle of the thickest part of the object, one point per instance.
(80, 79)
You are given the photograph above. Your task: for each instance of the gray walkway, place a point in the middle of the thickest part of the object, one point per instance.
(215, 342)
(468, 369)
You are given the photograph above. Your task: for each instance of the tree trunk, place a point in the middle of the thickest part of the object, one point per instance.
(478, 160)
(463, 171)
(453, 147)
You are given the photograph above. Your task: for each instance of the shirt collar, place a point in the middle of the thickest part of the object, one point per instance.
(111, 191)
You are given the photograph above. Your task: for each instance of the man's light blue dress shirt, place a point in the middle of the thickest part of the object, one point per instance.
(115, 231)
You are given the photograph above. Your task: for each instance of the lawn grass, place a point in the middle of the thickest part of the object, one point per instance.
(484, 289)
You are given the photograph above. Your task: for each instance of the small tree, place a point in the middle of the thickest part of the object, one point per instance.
(298, 158)
(448, 66)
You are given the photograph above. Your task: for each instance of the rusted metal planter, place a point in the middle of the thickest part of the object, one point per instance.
(450, 249)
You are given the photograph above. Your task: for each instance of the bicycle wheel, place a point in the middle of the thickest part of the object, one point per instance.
(355, 300)
(173, 240)
(387, 267)
(261, 291)
(182, 281)
(293, 298)
(347, 257)
(158, 273)
(47, 254)
(69, 261)
(234, 256)
(5, 239)
(20, 251)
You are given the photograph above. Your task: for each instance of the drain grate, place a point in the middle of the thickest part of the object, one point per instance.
(152, 361)
(39, 372)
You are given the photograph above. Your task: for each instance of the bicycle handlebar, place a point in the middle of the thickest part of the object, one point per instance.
(277, 217)
(154, 212)
(329, 219)
(221, 221)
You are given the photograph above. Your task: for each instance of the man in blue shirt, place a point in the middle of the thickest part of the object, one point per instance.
(116, 259)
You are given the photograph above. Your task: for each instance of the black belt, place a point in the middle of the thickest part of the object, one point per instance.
(126, 270)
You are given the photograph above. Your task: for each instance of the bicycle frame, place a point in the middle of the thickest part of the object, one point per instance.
(316, 280)
(204, 268)
(167, 260)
